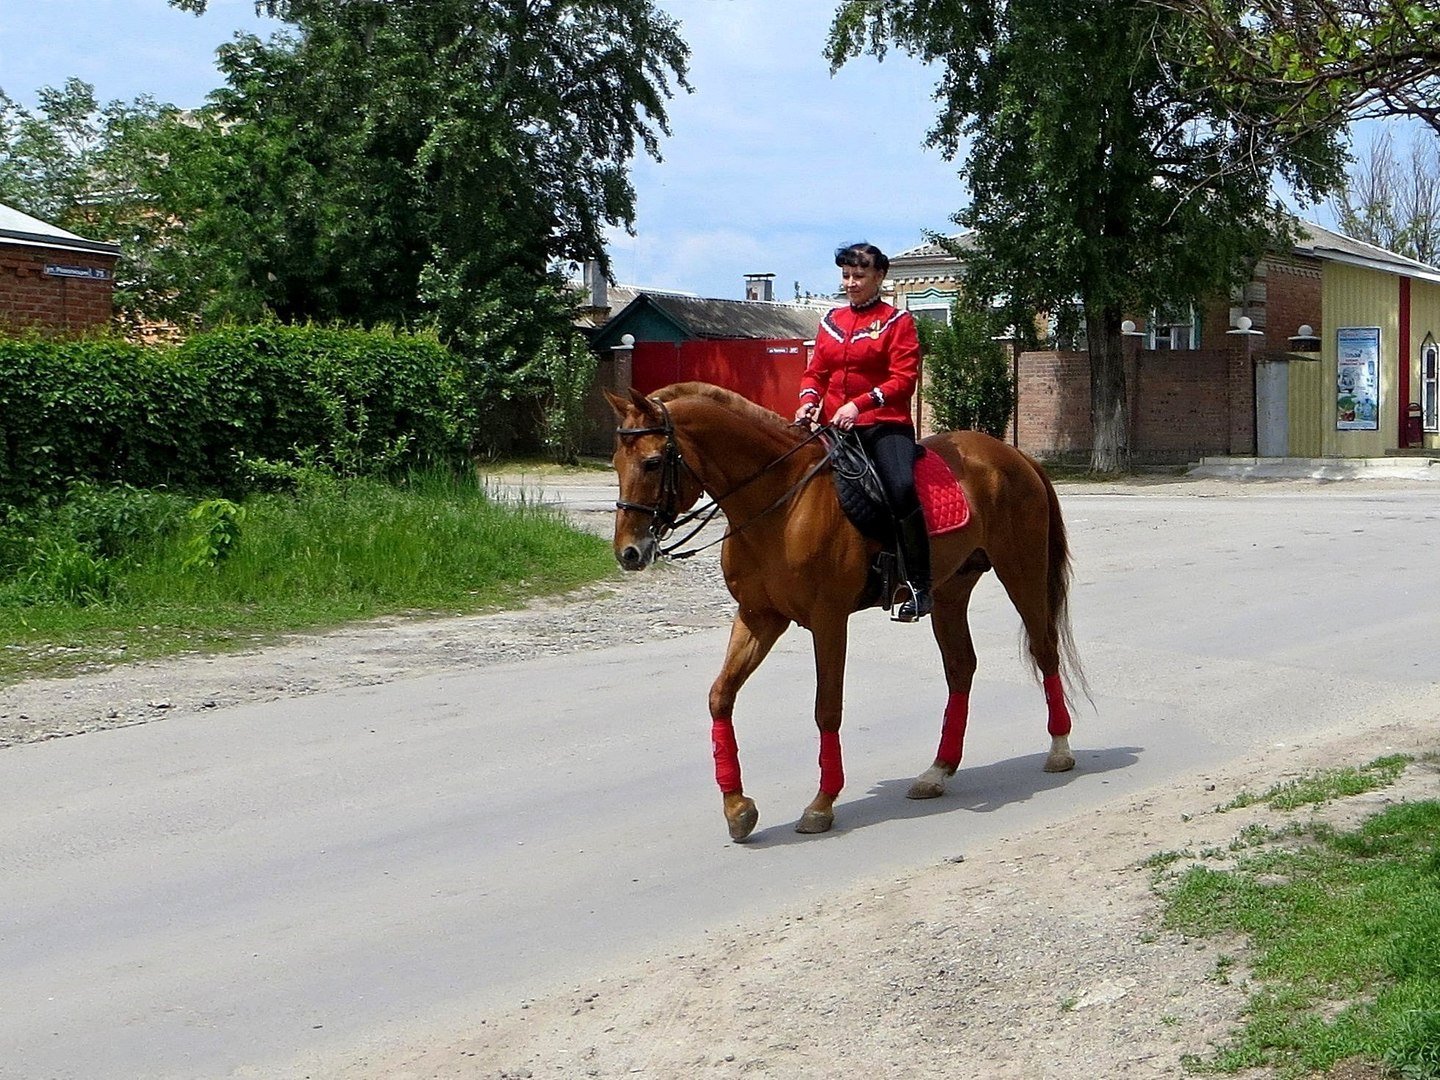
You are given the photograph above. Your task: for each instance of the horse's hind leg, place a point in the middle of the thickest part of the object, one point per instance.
(950, 622)
(751, 636)
(830, 638)
(1025, 582)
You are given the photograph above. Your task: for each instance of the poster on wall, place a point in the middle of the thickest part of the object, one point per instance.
(1357, 383)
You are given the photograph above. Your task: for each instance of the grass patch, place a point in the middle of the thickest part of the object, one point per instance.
(1344, 930)
(120, 574)
(1326, 786)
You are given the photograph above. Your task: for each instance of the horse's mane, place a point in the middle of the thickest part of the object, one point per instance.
(728, 399)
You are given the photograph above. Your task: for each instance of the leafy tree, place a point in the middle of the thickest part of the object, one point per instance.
(968, 380)
(1395, 203)
(47, 160)
(1091, 176)
(434, 160)
(1287, 67)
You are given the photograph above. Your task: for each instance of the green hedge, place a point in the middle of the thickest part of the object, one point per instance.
(186, 417)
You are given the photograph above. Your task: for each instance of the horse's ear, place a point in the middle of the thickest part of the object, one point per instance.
(644, 404)
(619, 404)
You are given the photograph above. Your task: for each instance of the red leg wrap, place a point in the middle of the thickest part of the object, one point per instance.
(952, 733)
(832, 771)
(727, 755)
(1059, 722)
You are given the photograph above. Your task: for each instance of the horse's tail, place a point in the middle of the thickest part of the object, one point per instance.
(1057, 588)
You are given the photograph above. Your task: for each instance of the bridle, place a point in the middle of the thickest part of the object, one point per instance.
(664, 519)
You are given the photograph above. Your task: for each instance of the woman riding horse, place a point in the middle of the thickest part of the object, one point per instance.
(862, 375)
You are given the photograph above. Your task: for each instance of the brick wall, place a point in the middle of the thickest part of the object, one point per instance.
(1183, 405)
(1292, 300)
(1052, 404)
(29, 297)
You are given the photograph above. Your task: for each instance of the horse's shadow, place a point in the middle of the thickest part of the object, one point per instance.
(982, 789)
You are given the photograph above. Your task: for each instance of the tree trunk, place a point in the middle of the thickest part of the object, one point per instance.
(1109, 404)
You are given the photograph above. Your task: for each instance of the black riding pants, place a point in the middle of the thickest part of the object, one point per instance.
(892, 449)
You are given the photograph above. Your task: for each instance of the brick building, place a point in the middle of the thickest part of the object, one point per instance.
(51, 279)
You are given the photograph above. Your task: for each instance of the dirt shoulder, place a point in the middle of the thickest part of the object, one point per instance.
(666, 601)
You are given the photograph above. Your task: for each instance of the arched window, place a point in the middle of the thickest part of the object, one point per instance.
(1430, 383)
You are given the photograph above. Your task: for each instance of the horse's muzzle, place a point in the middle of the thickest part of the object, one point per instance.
(637, 556)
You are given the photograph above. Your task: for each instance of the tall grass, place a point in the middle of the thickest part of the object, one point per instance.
(117, 573)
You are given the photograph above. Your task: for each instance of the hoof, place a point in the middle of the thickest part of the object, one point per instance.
(1060, 758)
(930, 784)
(812, 821)
(742, 821)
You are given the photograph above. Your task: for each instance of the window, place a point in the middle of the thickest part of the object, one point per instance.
(1430, 384)
(932, 314)
(1178, 328)
(931, 303)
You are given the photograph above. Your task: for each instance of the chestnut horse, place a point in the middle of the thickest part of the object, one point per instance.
(790, 555)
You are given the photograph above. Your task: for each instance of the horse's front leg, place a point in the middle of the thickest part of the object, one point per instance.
(830, 642)
(751, 636)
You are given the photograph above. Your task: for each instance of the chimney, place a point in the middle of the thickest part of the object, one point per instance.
(596, 285)
(760, 287)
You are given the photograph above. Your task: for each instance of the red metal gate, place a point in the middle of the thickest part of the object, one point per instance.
(765, 371)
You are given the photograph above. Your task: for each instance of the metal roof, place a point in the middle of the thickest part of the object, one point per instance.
(26, 231)
(931, 249)
(705, 318)
(1322, 243)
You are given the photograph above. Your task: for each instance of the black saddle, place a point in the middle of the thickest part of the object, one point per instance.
(857, 484)
(862, 497)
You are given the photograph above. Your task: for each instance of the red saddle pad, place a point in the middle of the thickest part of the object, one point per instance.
(946, 508)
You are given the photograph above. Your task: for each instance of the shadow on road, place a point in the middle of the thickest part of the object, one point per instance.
(982, 789)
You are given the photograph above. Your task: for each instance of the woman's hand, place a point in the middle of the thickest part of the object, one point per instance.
(807, 413)
(845, 416)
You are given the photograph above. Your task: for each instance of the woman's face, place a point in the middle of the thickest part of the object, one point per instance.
(861, 283)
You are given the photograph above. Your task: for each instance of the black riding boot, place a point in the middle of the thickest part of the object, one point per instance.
(915, 555)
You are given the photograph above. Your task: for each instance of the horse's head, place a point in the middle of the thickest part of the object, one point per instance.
(655, 486)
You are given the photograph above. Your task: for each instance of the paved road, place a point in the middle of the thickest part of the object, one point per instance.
(254, 892)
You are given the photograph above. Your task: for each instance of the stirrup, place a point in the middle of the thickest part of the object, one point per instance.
(916, 606)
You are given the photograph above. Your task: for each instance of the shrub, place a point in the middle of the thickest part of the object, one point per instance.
(567, 367)
(188, 418)
(969, 385)
(367, 403)
(96, 409)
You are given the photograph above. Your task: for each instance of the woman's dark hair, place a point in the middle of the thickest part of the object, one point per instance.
(862, 255)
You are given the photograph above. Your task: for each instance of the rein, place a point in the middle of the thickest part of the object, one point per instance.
(664, 520)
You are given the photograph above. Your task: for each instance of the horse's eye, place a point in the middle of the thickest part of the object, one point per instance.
(650, 464)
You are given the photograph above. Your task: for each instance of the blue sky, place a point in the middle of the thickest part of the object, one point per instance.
(772, 162)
